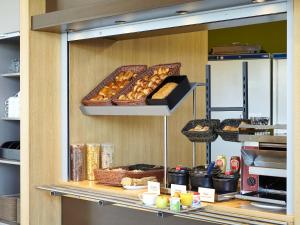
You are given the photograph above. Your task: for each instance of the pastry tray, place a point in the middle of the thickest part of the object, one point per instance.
(110, 78)
(175, 96)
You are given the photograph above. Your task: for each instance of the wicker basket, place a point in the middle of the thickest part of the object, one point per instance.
(232, 136)
(114, 178)
(206, 136)
(8, 207)
(138, 69)
(174, 69)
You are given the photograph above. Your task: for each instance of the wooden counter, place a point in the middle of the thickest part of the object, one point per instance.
(232, 207)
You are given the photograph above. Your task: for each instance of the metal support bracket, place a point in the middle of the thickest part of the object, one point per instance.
(163, 214)
(209, 108)
(56, 194)
(103, 203)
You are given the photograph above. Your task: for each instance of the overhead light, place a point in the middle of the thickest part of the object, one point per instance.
(120, 22)
(258, 1)
(182, 12)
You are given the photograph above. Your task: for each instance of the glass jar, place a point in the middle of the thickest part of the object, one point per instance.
(107, 151)
(92, 160)
(78, 162)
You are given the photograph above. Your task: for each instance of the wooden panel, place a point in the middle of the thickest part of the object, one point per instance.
(137, 139)
(40, 119)
(296, 110)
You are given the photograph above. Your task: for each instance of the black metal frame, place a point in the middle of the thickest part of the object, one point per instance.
(209, 109)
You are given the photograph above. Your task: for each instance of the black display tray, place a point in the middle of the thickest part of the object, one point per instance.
(175, 96)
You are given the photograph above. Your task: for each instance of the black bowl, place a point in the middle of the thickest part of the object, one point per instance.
(225, 183)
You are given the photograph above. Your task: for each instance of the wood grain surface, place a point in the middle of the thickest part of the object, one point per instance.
(40, 119)
(137, 139)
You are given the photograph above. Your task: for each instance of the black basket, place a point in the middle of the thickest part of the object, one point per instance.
(201, 136)
(183, 87)
(232, 136)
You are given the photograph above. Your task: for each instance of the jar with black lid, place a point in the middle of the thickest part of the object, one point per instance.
(200, 178)
(179, 175)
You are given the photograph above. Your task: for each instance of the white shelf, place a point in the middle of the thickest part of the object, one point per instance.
(10, 119)
(267, 171)
(263, 138)
(10, 162)
(12, 35)
(143, 110)
(12, 75)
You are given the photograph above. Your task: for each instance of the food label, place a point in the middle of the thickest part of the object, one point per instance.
(235, 164)
(175, 204)
(154, 187)
(207, 194)
(221, 163)
(196, 201)
(177, 188)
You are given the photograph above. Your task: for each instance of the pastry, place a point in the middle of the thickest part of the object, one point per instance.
(144, 86)
(112, 88)
(165, 91)
(231, 128)
(127, 181)
(200, 128)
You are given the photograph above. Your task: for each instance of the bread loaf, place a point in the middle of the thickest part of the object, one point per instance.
(165, 91)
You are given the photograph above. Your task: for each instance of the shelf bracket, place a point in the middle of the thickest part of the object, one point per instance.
(163, 214)
(56, 194)
(103, 203)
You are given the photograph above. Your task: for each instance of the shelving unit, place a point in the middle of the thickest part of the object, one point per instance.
(10, 162)
(11, 75)
(147, 110)
(9, 127)
(144, 110)
(10, 118)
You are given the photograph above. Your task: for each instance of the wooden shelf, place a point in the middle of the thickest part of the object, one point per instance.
(11, 75)
(144, 110)
(10, 119)
(10, 162)
(220, 211)
(13, 36)
(2, 222)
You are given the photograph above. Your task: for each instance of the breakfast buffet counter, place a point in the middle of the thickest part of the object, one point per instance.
(232, 210)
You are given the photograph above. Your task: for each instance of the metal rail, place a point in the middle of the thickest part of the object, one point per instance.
(204, 214)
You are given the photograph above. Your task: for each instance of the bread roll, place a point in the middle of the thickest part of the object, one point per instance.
(165, 91)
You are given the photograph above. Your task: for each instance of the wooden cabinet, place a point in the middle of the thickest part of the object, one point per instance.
(9, 16)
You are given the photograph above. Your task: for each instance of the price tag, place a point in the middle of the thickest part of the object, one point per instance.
(177, 188)
(154, 187)
(207, 194)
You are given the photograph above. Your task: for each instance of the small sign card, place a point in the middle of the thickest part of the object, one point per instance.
(177, 188)
(207, 194)
(154, 187)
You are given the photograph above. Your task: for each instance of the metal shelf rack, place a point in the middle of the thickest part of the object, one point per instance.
(210, 109)
(148, 110)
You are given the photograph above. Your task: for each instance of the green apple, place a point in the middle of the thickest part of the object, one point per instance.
(162, 202)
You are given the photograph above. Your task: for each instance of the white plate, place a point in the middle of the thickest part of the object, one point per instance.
(267, 206)
(135, 187)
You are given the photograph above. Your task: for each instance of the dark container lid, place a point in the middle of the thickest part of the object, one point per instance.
(229, 177)
(202, 170)
(180, 170)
